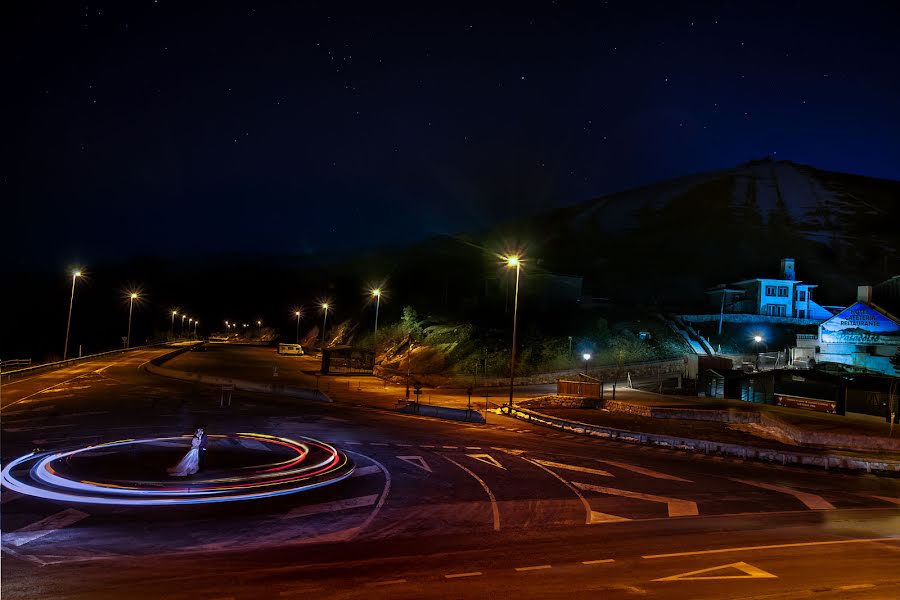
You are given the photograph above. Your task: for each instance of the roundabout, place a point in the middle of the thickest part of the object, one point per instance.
(132, 472)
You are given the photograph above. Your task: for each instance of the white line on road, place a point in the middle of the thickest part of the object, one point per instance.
(458, 575)
(591, 517)
(811, 501)
(47, 526)
(388, 582)
(643, 471)
(771, 547)
(676, 506)
(557, 465)
(494, 509)
(367, 470)
(326, 507)
(534, 568)
(598, 562)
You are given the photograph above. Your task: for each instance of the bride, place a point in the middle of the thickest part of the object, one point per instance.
(190, 464)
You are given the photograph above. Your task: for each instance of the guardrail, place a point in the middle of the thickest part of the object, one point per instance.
(14, 364)
(6, 376)
(827, 461)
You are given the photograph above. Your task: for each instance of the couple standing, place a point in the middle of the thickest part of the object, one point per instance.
(194, 459)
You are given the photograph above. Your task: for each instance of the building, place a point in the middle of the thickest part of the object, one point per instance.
(863, 336)
(782, 297)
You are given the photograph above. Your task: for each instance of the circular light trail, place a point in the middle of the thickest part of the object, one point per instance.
(310, 464)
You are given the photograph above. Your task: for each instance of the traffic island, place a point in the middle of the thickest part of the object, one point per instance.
(238, 466)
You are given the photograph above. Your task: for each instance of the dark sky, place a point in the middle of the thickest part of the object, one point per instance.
(175, 129)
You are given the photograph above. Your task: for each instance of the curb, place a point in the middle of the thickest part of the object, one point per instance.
(826, 461)
(243, 385)
(443, 412)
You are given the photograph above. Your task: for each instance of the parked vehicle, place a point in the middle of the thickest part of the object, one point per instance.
(292, 349)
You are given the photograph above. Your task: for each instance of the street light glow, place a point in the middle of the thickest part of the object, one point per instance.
(376, 292)
(586, 356)
(512, 261)
(325, 305)
(757, 338)
(134, 296)
(76, 274)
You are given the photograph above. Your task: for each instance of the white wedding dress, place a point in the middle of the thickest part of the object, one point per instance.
(190, 464)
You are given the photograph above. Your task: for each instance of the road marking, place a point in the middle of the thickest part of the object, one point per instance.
(495, 511)
(534, 568)
(473, 447)
(326, 507)
(858, 586)
(384, 494)
(388, 582)
(38, 428)
(771, 547)
(644, 471)
(557, 465)
(811, 501)
(458, 575)
(363, 471)
(750, 572)
(591, 517)
(598, 562)
(47, 526)
(449, 447)
(416, 461)
(378, 444)
(487, 459)
(676, 506)
(887, 499)
(354, 443)
(512, 451)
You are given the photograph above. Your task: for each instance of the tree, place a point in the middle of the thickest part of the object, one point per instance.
(411, 323)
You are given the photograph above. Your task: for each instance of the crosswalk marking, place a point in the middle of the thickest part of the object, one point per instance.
(326, 507)
(46, 526)
(811, 501)
(676, 506)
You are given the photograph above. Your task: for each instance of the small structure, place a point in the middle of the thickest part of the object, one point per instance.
(347, 359)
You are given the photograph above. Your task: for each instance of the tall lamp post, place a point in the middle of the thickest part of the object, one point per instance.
(131, 298)
(586, 356)
(174, 314)
(408, 363)
(297, 314)
(195, 326)
(75, 275)
(182, 322)
(324, 323)
(513, 261)
(377, 293)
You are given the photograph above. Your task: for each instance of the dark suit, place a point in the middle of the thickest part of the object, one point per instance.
(201, 459)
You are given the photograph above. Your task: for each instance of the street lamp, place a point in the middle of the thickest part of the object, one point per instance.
(377, 293)
(513, 261)
(298, 314)
(131, 298)
(174, 314)
(195, 326)
(324, 322)
(75, 275)
(586, 356)
(182, 323)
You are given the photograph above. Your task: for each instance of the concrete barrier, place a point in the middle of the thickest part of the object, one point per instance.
(154, 366)
(443, 412)
(826, 461)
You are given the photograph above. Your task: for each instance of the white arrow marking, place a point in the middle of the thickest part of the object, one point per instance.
(676, 506)
(750, 572)
(810, 500)
(416, 461)
(47, 526)
(557, 465)
(487, 459)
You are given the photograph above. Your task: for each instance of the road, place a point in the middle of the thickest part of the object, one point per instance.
(435, 509)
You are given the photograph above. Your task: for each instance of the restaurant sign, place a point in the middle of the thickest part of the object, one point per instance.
(860, 324)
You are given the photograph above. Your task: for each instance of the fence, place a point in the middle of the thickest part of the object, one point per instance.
(6, 376)
(585, 389)
(14, 364)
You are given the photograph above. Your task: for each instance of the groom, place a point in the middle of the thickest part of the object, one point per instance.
(204, 441)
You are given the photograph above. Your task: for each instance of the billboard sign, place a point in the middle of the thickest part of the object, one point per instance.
(860, 324)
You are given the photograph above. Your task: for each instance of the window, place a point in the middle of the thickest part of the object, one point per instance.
(801, 313)
(770, 290)
(775, 310)
(801, 295)
(783, 291)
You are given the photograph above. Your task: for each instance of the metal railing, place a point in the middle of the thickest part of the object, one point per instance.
(6, 376)
(14, 363)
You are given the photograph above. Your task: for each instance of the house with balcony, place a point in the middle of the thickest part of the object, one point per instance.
(784, 296)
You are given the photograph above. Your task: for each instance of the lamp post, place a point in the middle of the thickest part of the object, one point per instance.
(131, 298)
(408, 363)
(174, 314)
(75, 275)
(190, 324)
(513, 261)
(377, 293)
(195, 326)
(182, 323)
(586, 356)
(297, 314)
(324, 323)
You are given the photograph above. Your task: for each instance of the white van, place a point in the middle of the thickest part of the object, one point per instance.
(295, 349)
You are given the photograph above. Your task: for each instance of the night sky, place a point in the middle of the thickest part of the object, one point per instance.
(161, 129)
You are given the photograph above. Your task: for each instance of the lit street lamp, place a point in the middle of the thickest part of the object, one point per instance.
(513, 261)
(174, 314)
(377, 293)
(324, 322)
(298, 314)
(75, 275)
(131, 298)
(195, 326)
(182, 323)
(586, 356)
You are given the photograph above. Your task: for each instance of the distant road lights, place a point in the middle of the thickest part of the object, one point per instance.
(131, 298)
(75, 275)
(513, 261)
(324, 322)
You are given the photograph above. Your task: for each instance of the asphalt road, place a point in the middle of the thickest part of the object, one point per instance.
(434, 510)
